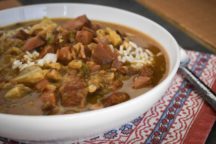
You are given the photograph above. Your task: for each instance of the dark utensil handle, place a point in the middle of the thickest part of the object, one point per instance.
(206, 93)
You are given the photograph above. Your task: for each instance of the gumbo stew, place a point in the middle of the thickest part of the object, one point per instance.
(60, 66)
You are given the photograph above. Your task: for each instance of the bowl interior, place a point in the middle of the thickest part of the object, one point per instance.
(108, 117)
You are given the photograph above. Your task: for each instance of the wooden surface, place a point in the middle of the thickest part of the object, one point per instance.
(8, 4)
(196, 17)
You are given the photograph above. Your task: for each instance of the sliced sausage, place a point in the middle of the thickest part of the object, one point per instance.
(115, 98)
(77, 23)
(21, 34)
(33, 43)
(116, 63)
(147, 71)
(117, 84)
(141, 81)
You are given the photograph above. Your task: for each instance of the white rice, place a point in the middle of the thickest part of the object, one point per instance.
(48, 58)
(137, 56)
(30, 59)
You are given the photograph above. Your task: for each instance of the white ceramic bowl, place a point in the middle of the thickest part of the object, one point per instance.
(73, 126)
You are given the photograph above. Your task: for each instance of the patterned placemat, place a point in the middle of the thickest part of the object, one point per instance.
(181, 116)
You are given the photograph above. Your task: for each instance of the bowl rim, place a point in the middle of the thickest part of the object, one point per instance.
(169, 75)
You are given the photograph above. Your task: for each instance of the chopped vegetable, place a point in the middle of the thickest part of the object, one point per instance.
(30, 75)
(18, 91)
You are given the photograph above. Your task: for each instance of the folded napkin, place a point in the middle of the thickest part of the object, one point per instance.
(180, 116)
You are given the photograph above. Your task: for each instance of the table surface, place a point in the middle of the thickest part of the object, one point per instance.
(194, 17)
(131, 5)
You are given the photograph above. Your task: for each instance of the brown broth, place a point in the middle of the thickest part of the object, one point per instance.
(30, 105)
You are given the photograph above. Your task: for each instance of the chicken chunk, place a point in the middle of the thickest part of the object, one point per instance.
(48, 97)
(114, 38)
(73, 92)
(84, 37)
(64, 54)
(49, 102)
(45, 85)
(108, 36)
(102, 54)
(56, 66)
(75, 64)
(54, 75)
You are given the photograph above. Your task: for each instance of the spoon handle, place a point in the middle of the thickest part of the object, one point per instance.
(205, 92)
